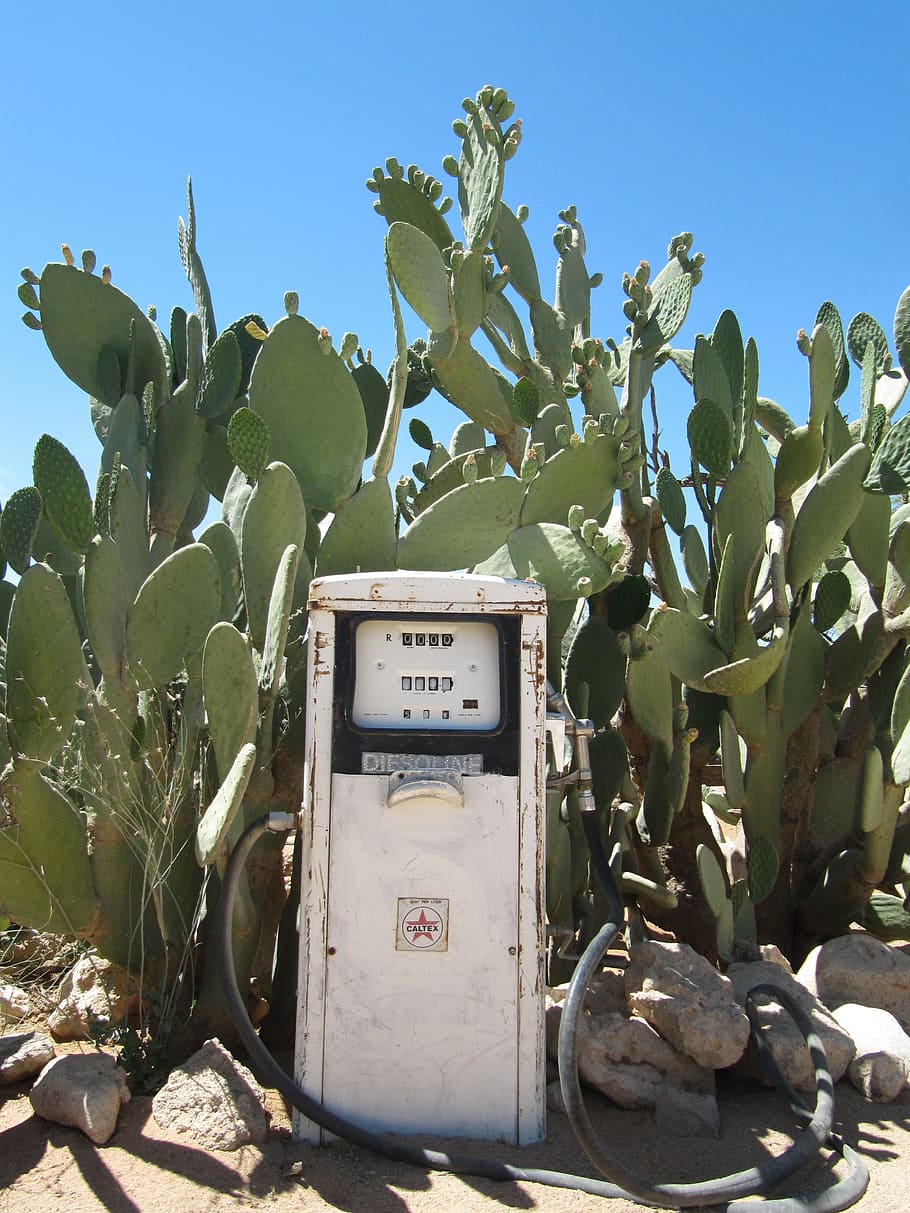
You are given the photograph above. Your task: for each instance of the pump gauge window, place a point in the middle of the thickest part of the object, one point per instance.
(439, 673)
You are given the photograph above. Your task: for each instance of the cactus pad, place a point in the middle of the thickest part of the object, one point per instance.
(172, 614)
(555, 557)
(231, 694)
(464, 527)
(19, 525)
(65, 498)
(890, 471)
(47, 680)
(45, 872)
(595, 659)
(827, 511)
(525, 401)
(216, 821)
(361, 536)
(296, 389)
(832, 597)
(712, 879)
(862, 330)
(275, 516)
(81, 315)
(710, 434)
(762, 864)
(248, 441)
(421, 275)
(585, 474)
(671, 499)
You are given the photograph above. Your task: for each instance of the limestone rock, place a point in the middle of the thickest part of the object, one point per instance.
(24, 1055)
(687, 1113)
(784, 1038)
(214, 1099)
(14, 1003)
(84, 1091)
(861, 969)
(606, 992)
(627, 1060)
(95, 991)
(773, 955)
(881, 1067)
(687, 1001)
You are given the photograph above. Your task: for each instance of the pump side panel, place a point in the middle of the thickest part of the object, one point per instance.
(418, 1039)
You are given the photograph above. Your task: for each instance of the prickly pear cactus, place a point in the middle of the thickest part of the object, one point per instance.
(735, 628)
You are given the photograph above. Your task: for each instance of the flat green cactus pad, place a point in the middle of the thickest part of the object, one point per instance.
(554, 556)
(64, 492)
(45, 875)
(212, 831)
(687, 644)
(172, 614)
(585, 474)
(47, 680)
(480, 391)
(82, 315)
(361, 536)
(231, 693)
(275, 516)
(313, 410)
(596, 660)
(464, 527)
(19, 526)
(107, 600)
(421, 275)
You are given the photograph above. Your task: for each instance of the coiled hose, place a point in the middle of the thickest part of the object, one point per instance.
(767, 1174)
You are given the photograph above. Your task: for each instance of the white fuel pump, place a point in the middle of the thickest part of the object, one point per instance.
(421, 936)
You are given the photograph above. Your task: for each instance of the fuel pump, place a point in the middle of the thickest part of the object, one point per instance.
(421, 935)
(421, 975)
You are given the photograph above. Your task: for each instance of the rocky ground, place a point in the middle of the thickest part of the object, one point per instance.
(143, 1168)
(146, 1167)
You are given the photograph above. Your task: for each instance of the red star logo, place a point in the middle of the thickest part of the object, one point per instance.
(423, 922)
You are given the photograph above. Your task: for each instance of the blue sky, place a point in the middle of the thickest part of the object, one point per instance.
(777, 133)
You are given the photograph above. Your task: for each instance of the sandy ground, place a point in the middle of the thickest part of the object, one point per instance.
(46, 1167)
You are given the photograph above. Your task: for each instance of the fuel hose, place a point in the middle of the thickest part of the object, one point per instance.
(619, 1183)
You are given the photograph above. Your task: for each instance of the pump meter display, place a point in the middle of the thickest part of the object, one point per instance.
(427, 674)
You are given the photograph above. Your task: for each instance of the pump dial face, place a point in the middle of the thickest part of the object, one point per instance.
(438, 674)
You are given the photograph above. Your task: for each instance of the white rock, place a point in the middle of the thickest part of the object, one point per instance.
(879, 1076)
(861, 969)
(784, 1038)
(95, 991)
(627, 1060)
(84, 1091)
(687, 1113)
(687, 1001)
(881, 1066)
(14, 1003)
(214, 1099)
(605, 993)
(773, 955)
(24, 1055)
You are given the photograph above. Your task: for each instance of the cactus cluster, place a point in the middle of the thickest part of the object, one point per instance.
(748, 693)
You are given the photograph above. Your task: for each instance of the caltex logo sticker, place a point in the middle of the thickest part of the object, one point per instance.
(423, 924)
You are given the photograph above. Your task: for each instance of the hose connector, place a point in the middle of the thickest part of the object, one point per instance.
(280, 823)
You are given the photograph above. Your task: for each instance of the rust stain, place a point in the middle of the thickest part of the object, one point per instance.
(322, 641)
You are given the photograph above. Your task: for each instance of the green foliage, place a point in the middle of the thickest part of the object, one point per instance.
(158, 709)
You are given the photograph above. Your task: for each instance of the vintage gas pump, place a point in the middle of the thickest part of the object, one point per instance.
(421, 928)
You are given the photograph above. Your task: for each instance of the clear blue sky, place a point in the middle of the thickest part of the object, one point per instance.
(777, 133)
